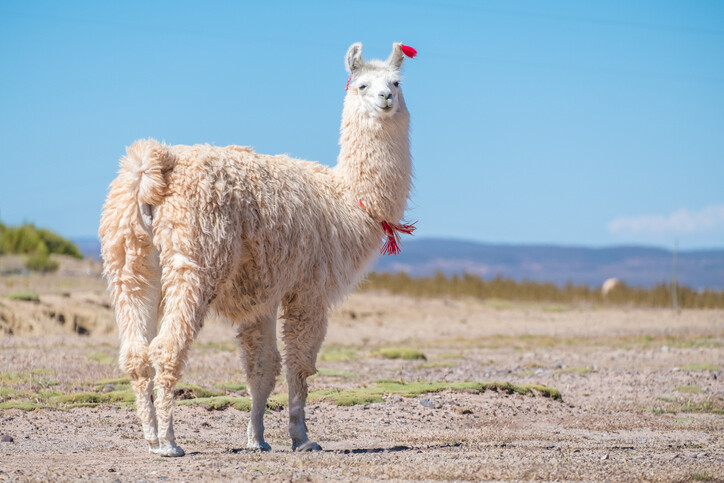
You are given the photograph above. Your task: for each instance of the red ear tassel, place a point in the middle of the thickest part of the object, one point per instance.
(408, 51)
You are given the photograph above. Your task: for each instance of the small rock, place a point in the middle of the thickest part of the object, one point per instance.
(462, 410)
(7, 438)
(427, 403)
(604, 457)
(664, 348)
(108, 388)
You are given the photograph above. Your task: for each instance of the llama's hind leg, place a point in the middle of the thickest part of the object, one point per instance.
(136, 294)
(184, 308)
(262, 365)
(304, 331)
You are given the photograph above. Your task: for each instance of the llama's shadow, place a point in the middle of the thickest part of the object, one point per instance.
(393, 449)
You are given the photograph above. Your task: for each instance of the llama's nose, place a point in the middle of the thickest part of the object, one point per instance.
(386, 95)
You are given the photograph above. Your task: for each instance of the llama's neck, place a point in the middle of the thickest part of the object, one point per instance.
(374, 160)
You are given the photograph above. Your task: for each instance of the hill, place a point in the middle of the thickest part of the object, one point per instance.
(637, 265)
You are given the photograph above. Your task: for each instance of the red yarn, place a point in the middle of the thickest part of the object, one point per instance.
(392, 244)
(347, 86)
(408, 51)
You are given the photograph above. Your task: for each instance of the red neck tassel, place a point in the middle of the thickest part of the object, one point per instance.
(392, 231)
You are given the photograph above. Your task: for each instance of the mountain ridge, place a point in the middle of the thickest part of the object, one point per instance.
(638, 265)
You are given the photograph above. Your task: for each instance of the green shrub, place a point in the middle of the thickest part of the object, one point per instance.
(28, 240)
(41, 262)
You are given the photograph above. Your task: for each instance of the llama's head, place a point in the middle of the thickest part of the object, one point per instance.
(374, 85)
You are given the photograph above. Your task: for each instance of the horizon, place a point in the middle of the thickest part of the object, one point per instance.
(565, 124)
(417, 239)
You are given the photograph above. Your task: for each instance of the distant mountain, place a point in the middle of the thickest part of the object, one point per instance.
(89, 247)
(636, 265)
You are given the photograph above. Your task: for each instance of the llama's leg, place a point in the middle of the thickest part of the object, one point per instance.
(262, 364)
(136, 290)
(304, 330)
(184, 309)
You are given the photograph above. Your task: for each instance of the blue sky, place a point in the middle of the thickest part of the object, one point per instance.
(566, 122)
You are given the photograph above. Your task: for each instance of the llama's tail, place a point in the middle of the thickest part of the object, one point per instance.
(143, 170)
(130, 260)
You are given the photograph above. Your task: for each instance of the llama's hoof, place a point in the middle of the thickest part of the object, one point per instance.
(307, 446)
(257, 446)
(169, 451)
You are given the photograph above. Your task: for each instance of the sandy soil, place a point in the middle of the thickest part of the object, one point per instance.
(642, 398)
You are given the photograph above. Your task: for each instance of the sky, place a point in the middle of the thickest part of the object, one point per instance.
(592, 123)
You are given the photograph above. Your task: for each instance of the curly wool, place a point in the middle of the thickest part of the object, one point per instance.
(188, 229)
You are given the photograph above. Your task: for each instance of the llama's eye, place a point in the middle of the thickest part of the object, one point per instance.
(362, 86)
(396, 84)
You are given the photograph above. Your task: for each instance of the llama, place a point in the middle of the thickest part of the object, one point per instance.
(187, 230)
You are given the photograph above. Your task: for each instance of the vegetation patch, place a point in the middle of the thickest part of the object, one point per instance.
(127, 396)
(435, 365)
(33, 378)
(712, 406)
(689, 389)
(405, 353)
(101, 358)
(22, 405)
(230, 386)
(573, 370)
(701, 476)
(700, 367)
(325, 372)
(224, 346)
(23, 296)
(219, 402)
(192, 391)
(503, 293)
(555, 308)
(339, 353)
(450, 355)
(349, 397)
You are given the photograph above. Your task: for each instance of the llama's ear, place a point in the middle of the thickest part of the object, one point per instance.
(397, 56)
(353, 60)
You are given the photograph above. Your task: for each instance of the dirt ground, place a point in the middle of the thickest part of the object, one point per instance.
(642, 394)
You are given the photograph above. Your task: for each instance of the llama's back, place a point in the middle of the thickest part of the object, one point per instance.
(254, 226)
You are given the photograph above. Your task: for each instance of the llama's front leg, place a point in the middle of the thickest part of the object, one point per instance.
(262, 364)
(183, 312)
(303, 335)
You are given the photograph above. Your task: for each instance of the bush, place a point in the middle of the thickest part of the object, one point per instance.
(41, 262)
(28, 240)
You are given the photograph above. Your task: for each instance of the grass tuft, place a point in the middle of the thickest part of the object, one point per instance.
(22, 405)
(23, 296)
(101, 358)
(339, 353)
(700, 367)
(325, 372)
(404, 353)
(230, 386)
(689, 389)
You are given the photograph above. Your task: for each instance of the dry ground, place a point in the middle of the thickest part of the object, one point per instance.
(642, 390)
